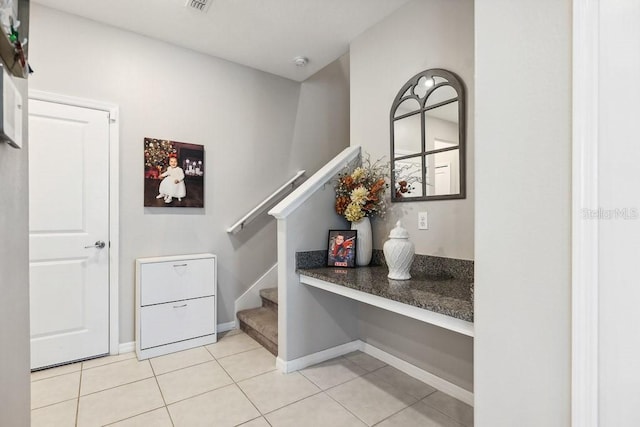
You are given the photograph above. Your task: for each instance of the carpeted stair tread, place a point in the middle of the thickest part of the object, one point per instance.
(270, 294)
(261, 324)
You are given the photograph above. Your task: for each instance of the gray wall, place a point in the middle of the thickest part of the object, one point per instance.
(421, 35)
(14, 280)
(312, 319)
(619, 91)
(246, 119)
(523, 207)
(322, 119)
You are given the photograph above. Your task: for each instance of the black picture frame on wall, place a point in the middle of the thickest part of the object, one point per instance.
(341, 248)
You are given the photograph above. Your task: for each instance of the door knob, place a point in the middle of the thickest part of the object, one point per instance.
(99, 245)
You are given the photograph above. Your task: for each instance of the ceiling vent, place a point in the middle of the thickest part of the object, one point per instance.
(199, 5)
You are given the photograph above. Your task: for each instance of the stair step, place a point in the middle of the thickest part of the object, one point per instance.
(269, 298)
(261, 324)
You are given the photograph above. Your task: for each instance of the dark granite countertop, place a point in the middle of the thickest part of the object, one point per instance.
(449, 296)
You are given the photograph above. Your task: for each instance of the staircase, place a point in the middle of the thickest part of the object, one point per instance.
(261, 323)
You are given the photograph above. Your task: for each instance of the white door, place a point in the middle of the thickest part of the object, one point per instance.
(68, 220)
(443, 179)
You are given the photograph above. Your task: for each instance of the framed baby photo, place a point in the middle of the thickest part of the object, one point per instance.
(342, 248)
(173, 174)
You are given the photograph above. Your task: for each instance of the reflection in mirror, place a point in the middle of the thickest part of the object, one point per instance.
(407, 106)
(423, 86)
(428, 131)
(441, 124)
(441, 94)
(408, 175)
(407, 134)
(442, 173)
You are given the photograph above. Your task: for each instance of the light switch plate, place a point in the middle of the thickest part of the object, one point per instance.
(423, 223)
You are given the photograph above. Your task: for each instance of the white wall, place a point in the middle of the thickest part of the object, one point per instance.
(246, 120)
(619, 91)
(523, 207)
(422, 34)
(14, 279)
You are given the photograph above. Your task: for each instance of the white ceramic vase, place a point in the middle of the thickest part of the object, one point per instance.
(364, 241)
(399, 252)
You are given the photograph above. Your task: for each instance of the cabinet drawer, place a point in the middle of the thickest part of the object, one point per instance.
(177, 321)
(176, 280)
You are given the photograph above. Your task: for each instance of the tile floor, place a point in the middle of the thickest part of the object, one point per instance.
(234, 382)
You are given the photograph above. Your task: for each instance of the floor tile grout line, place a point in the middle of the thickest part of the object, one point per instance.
(251, 377)
(199, 394)
(442, 413)
(136, 415)
(397, 387)
(116, 386)
(347, 409)
(333, 386)
(78, 399)
(400, 389)
(248, 421)
(183, 367)
(264, 414)
(108, 363)
(53, 376)
(240, 352)
(155, 377)
(55, 403)
(400, 410)
(423, 400)
(247, 397)
(166, 406)
(388, 383)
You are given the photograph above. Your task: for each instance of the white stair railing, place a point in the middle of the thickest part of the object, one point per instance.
(267, 203)
(294, 200)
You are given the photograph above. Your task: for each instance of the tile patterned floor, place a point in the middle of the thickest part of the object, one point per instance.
(234, 382)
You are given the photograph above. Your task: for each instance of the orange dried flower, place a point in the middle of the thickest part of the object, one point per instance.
(348, 181)
(341, 204)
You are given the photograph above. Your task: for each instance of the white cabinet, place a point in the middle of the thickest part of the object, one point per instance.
(175, 303)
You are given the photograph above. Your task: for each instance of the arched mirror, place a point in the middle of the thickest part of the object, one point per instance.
(428, 138)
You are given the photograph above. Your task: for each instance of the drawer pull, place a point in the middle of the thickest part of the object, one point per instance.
(179, 306)
(179, 265)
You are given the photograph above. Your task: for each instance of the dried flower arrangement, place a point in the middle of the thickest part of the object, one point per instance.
(360, 190)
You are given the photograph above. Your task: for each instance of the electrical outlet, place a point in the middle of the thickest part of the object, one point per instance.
(423, 223)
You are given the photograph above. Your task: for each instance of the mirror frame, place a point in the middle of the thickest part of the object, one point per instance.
(456, 83)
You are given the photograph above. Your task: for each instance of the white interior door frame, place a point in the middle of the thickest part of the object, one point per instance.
(114, 198)
(584, 345)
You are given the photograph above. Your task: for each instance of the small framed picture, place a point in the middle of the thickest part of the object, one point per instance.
(342, 248)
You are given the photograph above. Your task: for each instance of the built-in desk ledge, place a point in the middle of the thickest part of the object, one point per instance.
(442, 300)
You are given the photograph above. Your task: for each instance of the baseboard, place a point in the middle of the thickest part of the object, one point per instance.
(224, 327)
(251, 297)
(319, 357)
(127, 347)
(426, 377)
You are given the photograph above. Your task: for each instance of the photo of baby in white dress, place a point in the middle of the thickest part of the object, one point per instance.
(170, 168)
(173, 183)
